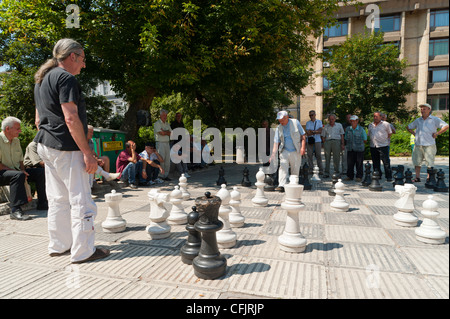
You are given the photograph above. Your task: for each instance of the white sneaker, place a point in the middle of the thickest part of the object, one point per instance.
(159, 181)
(113, 176)
(187, 175)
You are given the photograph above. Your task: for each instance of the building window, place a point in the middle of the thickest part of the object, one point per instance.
(439, 18)
(389, 24)
(438, 102)
(326, 84)
(438, 47)
(439, 74)
(338, 30)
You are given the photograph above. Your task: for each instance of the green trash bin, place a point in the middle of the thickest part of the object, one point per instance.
(109, 143)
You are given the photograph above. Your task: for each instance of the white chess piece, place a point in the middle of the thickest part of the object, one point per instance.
(339, 204)
(315, 179)
(114, 222)
(158, 228)
(236, 218)
(405, 205)
(177, 214)
(226, 237)
(260, 199)
(183, 187)
(429, 231)
(292, 239)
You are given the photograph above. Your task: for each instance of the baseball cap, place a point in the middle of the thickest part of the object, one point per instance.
(281, 114)
(425, 104)
(353, 118)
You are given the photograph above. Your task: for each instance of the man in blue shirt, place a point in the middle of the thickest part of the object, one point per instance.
(355, 138)
(290, 142)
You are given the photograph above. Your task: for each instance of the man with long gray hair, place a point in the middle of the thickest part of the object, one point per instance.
(63, 146)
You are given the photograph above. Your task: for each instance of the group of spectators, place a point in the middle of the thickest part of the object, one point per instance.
(345, 143)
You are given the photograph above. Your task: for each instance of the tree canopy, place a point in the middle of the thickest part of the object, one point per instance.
(366, 75)
(238, 58)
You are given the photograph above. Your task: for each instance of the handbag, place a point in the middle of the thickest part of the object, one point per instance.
(312, 139)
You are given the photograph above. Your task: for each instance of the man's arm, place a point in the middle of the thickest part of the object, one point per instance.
(441, 131)
(76, 129)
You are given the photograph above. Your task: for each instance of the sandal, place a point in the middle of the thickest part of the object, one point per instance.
(98, 254)
(416, 180)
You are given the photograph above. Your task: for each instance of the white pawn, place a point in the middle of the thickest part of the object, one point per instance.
(183, 187)
(315, 179)
(158, 228)
(292, 239)
(429, 231)
(177, 214)
(114, 222)
(405, 205)
(236, 218)
(339, 204)
(260, 199)
(226, 237)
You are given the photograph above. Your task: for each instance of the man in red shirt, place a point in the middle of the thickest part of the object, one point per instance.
(129, 164)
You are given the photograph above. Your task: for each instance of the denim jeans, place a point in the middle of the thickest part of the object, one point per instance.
(130, 172)
(152, 172)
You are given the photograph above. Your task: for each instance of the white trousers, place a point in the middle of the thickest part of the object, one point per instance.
(163, 149)
(71, 210)
(288, 159)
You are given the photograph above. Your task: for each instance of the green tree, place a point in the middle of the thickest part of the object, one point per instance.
(214, 51)
(366, 75)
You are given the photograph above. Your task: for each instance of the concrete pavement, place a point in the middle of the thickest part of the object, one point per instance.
(359, 254)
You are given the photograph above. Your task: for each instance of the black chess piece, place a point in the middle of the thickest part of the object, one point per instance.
(408, 177)
(306, 183)
(300, 175)
(399, 176)
(334, 180)
(192, 247)
(375, 185)
(368, 176)
(270, 183)
(440, 184)
(245, 180)
(431, 180)
(209, 264)
(221, 179)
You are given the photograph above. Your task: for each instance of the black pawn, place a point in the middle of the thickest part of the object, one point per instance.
(440, 184)
(245, 180)
(190, 250)
(306, 184)
(375, 185)
(399, 176)
(431, 180)
(300, 176)
(334, 180)
(221, 179)
(367, 178)
(209, 264)
(408, 177)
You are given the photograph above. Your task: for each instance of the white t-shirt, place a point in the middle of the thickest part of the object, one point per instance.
(425, 129)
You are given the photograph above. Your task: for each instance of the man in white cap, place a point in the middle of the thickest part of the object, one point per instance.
(290, 142)
(355, 138)
(425, 131)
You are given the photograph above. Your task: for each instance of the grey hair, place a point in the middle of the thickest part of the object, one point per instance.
(333, 115)
(9, 122)
(163, 111)
(62, 49)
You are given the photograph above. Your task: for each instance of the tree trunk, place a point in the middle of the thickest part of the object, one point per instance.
(129, 124)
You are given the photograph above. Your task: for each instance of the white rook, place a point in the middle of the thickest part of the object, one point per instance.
(226, 237)
(429, 231)
(177, 214)
(236, 218)
(158, 228)
(260, 199)
(292, 239)
(405, 205)
(114, 222)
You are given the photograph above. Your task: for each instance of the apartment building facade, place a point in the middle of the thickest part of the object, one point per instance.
(419, 28)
